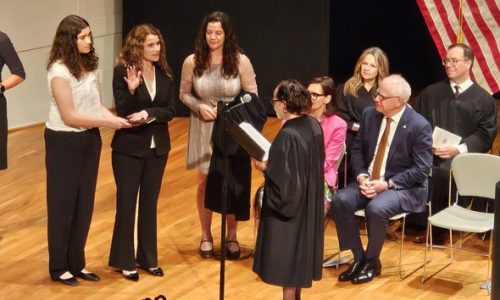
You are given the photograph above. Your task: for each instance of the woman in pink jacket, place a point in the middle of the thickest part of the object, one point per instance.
(322, 90)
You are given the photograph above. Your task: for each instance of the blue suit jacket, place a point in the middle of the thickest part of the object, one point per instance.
(409, 159)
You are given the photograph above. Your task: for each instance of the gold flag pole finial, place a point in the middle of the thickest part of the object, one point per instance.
(460, 23)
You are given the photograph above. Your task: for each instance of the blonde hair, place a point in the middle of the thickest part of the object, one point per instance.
(352, 85)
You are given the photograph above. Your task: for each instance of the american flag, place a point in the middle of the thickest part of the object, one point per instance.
(472, 22)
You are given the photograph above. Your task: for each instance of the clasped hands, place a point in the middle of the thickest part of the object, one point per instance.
(371, 188)
(208, 112)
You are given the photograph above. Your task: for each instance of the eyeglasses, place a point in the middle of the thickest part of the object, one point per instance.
(452, 62)
(383, 98)
(275, 100)
(315, 96)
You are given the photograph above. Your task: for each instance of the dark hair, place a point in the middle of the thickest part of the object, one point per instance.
(132, 52)
(468, 53)
(64, 47)
(230, 51)
(328, 87)
(297, 98)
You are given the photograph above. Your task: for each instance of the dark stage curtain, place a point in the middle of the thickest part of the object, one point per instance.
(283, 39)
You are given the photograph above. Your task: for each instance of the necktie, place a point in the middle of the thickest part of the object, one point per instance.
(457, 91)
(379, 156)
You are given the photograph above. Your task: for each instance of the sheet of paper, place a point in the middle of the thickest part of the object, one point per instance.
(441, 137)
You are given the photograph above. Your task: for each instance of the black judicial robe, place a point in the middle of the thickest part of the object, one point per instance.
(289, 248)
(239, 169)
(472, 115)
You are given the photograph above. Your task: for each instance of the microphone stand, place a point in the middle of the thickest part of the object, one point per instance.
(225, 114)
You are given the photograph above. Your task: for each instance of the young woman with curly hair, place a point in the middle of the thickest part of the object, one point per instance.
(73, 147)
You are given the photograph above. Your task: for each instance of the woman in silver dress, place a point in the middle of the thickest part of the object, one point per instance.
(217, 71)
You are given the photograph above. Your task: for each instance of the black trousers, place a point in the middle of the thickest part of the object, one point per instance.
(133, 176)
(72, 163)
(3, 132)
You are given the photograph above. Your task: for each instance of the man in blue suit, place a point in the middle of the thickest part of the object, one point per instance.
(391, 157)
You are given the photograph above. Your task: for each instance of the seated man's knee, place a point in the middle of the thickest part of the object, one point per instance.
(339, 200)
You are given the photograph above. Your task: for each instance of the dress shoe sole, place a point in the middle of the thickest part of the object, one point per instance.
(70, 281)
(156, 272)
(131, 277)
(89, 277)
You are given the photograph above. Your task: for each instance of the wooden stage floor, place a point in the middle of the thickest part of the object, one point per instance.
(24, 257)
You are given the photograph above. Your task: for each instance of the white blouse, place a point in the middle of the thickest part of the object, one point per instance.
(86, 97)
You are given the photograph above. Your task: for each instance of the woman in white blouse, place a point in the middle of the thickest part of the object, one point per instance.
(73, 147)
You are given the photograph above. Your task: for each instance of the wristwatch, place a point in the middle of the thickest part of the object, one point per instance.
(2, 89)
(391, 185)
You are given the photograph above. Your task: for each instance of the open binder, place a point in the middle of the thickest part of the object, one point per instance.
(250, 139)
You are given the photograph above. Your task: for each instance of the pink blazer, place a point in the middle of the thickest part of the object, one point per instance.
(334, 132)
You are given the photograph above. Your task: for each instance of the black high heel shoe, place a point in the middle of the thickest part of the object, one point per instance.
(132, 276)
(155, 272)
(233, 255)
(207, 253)
(69, 281)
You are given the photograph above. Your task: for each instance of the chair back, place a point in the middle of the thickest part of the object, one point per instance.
(342, 158)
(257, 201)
(342, 153)
(476, 174)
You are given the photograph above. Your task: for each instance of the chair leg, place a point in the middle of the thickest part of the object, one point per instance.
(429, 237)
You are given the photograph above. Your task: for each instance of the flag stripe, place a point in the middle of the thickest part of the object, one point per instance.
(487, 42)
(493, 6)
(436, 36)
(478, 53)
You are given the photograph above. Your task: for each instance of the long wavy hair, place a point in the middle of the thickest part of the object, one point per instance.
(230, 51)
(132, 52)
(64, 47)
(297, 98)
(328, 87)
(354, 83)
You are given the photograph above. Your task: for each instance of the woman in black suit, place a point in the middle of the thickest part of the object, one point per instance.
(143, 89)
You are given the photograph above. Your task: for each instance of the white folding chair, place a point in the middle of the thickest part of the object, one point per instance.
(476, 175)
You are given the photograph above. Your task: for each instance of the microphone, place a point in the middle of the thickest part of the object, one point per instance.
(245, 98)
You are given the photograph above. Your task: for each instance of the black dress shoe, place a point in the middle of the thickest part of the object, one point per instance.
(207, 253)
(369, 270)
(420, 239)
(70, 281)
(88, 276)
(349, 274)
(155, 272)
(131, 276)
(233, 255)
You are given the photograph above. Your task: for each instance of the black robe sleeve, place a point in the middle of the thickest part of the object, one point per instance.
(284, 178)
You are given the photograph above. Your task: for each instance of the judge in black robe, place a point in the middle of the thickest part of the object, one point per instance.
(289, 248)
(239, 169)
(470, 114)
